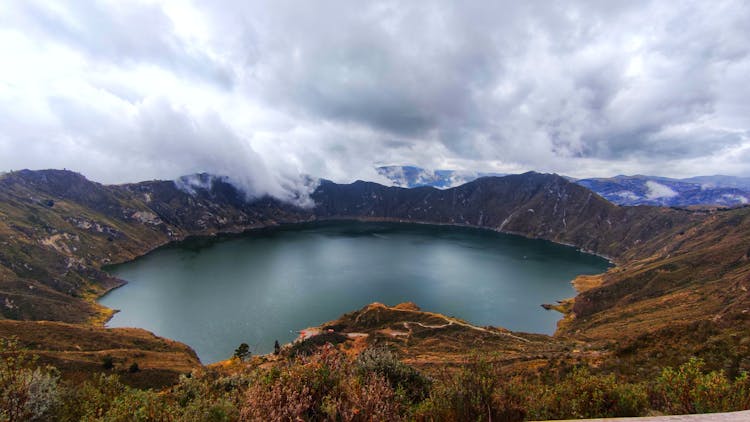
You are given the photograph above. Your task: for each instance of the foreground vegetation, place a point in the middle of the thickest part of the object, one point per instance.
(331, 384)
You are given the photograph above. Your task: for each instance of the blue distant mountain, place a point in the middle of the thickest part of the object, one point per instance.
(622, 190)
(412, 177)
(649, 190)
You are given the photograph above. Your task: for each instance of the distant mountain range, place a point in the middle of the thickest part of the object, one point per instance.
(650, 190)
(411, 176)
(622, 190)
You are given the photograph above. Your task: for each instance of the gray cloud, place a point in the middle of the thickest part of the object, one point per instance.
(118, 33)
(263, 91)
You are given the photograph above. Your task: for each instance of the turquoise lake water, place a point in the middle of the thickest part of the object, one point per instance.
(215, 293)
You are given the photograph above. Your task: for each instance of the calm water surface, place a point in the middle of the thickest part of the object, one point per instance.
(214, 294)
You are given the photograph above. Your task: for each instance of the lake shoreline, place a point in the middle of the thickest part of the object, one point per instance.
(421, 230)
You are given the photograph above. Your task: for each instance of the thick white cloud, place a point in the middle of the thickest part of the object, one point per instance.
(264, 91)
(657, 190)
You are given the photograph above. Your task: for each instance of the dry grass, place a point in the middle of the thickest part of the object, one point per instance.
(587, 282)
(78, 351)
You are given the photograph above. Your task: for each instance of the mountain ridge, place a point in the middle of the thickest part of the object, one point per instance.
(58, 229)
(638, 189)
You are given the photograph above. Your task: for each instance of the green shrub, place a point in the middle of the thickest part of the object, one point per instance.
(467, 395)
(310, 345)
(401, 377)
(92, 399)
(135, 405)
(740, 394)
(108, 362)
(205, 397)
(688, 389)
(209, 410)
(581, 394)
(26, 393)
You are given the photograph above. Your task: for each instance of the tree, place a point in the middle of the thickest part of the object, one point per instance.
(242, 352)
(276, 347)
(108, 362)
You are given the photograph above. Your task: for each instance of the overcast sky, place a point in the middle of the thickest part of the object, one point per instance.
(264, 91)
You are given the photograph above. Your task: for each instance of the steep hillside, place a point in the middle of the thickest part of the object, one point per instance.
(57, 229)
(692, 297)
(532, 204)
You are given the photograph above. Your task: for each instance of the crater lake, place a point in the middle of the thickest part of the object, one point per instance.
(265, 285)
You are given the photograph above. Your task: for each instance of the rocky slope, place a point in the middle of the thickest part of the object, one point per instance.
(58, 229)
(690, 297)
(532, 204)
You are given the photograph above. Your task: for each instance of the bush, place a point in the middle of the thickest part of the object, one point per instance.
(92, 399)
(584, 395)
(209, 410)
(310, 345)
(135, 405)
(401, 377)
(108, 362)
(740, 394)
(468, 394)
(322, 386)
(688, 389)
(208, 397)
(327, 385)
(26, 394)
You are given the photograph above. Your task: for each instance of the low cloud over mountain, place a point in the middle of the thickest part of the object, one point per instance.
(266, 91)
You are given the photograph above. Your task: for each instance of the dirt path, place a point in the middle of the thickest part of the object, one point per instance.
(463, 324)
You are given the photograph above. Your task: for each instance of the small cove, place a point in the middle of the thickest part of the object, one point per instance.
(264, 285)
